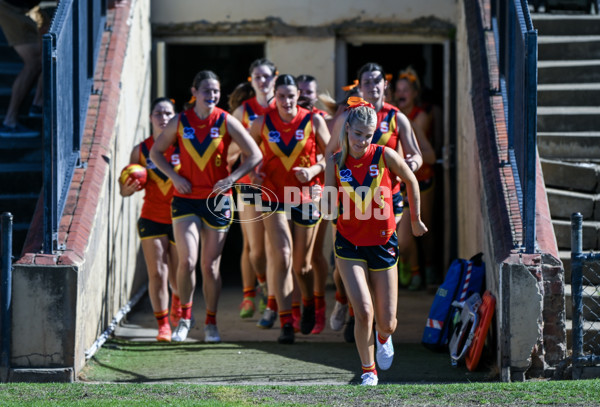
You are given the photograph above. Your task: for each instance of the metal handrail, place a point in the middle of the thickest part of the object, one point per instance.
(69, 54)
(5, 290)
(517, 46)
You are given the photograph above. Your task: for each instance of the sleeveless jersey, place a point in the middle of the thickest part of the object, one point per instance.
(365, 211)
(285, 146)
(159, 188)
(203, 148)
(386, 133)
(319, 111)
(426, 171)
(251, 110)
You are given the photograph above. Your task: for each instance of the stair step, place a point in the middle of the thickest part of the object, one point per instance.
(590, 233)
(581, 177)
(569, 47)
(562, 202)
(569, 94)
(591, 336)
(591, 302)
(555, 25)
(568, 118)
(576, 71)
(583, 145)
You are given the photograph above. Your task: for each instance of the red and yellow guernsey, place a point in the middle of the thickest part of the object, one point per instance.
(386, 133)
(285, 146)
(426, 171)
(159, 188)
(365, 211)
(251, 110)
(203, 148)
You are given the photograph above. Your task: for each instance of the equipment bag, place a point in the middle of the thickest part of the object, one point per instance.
(464, 331)
(464, 277)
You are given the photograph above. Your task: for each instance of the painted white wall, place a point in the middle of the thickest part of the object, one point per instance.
(300, 12)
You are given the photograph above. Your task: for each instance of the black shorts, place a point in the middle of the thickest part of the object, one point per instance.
(378, 258)
(248, 194)
(215, 212)
(148, 229)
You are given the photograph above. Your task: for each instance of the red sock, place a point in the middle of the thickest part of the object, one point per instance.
(162, 317)
(186, 310)
(307, 302)
(342, 299)
(272, 303)
(285, 317)
(175, 302)
(381, 339)
(211, 318)
(319, 300)
(296, 313)
(261, 279)
(370, 368)
(249, 292)
(350, 310)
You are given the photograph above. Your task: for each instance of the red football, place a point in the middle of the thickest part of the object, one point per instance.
(136, 172)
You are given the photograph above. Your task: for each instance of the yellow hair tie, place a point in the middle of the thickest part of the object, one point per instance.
(351, 86)
(192, 100)
(249, 79)
(388, 77)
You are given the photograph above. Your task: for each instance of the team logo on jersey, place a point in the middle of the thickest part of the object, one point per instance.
(392, 251)
(299, 135)
(346, 175)
(214, 132)
(252, 117)
(150, 165)
(175, 159)
(189, 133)
(384, 127)
(274, 137)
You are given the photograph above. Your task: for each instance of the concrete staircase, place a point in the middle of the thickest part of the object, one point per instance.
(569, 139)
(20, 158)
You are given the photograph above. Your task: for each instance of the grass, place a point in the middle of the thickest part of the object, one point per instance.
(572, 393)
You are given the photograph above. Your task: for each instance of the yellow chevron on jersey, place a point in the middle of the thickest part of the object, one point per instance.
(287, 153)
(372, 181)
(386, 128)
(202, 151)
(162, 181)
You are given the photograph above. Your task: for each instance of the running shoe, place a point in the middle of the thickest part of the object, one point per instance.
(307, 322)
(369, 379)
(287, 334)
(211, 334)
(164, 333)
(319, 321)
(338, 316)
(349, 330)
(384, 353)
(263, 297)
(247, 308)
(181, 332)
(267, 320)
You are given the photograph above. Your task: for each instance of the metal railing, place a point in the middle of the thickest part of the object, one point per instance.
(6, 226)
(585, 290)
(70, 49)
(517, 48)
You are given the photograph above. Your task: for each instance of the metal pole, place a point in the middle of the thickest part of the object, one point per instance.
(6, 309)
(577, 285)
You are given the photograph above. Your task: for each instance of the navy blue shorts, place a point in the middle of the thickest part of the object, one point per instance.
(148, 229)
(248, 194)
(306, 214)
(398, 203)
(377, 257)
(215, 212)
